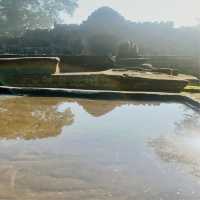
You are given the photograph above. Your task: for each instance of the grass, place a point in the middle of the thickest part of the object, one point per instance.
(193, 88)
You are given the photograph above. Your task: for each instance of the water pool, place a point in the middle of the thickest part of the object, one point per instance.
(61, 148)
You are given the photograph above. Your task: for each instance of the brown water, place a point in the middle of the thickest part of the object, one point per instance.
(59, 148)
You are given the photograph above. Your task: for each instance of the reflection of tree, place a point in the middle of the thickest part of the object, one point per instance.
(190, 123)
(32, 118)
(182, 147)
(99, 108)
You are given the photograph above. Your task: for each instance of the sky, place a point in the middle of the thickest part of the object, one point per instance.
(182, 12)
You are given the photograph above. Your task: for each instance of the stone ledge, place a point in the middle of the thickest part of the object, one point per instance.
(186, 98)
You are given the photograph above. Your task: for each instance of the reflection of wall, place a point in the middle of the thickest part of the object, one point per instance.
(31, 118)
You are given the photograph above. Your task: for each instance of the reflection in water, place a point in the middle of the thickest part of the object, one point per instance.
(98, 150)
(183, 146)
(34, 118)
(31, 118)
(99, 108)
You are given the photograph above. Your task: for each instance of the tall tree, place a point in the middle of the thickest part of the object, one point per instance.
(102, 44)
(128, 50)
(16, 16)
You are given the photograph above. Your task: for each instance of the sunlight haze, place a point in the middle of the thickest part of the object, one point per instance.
(182, 12)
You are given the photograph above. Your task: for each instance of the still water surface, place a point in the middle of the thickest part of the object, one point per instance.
(60, 148)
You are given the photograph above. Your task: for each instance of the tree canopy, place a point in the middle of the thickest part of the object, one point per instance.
(16, 16)
(105, 32)
(102, 44)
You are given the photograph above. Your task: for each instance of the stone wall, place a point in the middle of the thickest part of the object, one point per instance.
(28, 66)
(85, 63)
(96, 82)
(184, 64)
(76, 63)
(37, 72)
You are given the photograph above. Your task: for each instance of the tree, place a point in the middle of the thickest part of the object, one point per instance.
(123, 50)
(128, 50)
(16, 16)
(104, 20)
(102, 44)
(98, 35)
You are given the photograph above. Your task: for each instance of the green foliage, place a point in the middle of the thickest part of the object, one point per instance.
(128, 50)
(57, 41)
(16, 16)
(102, 44)
(104, 20)
(101, 34)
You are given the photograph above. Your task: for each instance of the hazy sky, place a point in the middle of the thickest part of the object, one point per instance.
(182, 12)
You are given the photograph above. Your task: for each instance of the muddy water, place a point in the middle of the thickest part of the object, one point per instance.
(58, 148)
